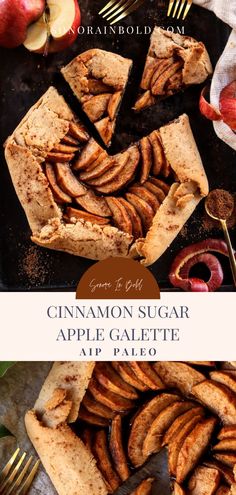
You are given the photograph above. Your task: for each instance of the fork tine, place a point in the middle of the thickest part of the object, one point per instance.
(109, 4)
(133, 7)
(176, 7)
(187, 8)
(180, 9)
(8, 466)
(27, 483)
(20, 477)
(9, 479)
(171, 3)
(117, 4)
(121, 9)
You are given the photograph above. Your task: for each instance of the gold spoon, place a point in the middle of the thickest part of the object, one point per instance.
(213, 207)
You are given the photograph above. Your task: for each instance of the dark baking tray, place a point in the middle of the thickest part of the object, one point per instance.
(24, 78)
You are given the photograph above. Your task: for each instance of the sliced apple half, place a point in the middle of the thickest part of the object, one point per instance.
(56, 29)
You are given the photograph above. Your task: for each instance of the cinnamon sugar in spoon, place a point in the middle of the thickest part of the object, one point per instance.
(219, 205)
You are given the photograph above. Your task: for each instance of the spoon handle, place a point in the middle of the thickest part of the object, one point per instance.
(230, 249)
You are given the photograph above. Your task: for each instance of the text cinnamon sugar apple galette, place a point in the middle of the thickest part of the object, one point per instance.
(94, 424)
(82, 200)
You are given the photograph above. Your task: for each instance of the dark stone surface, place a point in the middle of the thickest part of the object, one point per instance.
(24, 78)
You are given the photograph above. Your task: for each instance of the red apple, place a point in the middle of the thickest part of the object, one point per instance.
(228, 105)
(56, 29)
(15, 17)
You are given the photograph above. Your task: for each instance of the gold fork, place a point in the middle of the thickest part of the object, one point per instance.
(16, 479)
(118, 9)
(179, 6)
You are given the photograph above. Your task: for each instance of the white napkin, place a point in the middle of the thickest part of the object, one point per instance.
(225, 71)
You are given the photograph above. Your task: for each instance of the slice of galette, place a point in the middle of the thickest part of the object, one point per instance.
(174, 61)
(98, 79)
(81, 200)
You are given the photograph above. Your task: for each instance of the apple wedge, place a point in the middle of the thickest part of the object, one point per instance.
(227, 432)
(178, 375)
(228, 444)
(96, 407)
(177, 441)
(179, 423)
(226, 472)
(117, 449)
(220, 399)
(101, 453)
(128, 376)
(91, 418)
(108, 378)
(145, 372)
(204, 481)
(56, 29)
(109, 399)
(142, 423)
(165, 418)
(229, 459)
(226, 378)
(193, 447)
(145, 488)
(178, 490)
(223, 490)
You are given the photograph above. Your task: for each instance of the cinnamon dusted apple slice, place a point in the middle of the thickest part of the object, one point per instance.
(107, 376)
(158, 88)
(163, 65)
(67, 180)
(177, 441)
(97, 87)
(146, 100)
(223, 490)
(105, 127)
(117, 449)
(193, 447)
(144, 372)
(137, 230)
(146, 152)
(156, 190)
(60, 196)
(77, 131)
(218, 398)
(101, 453)
(67, 139)
(55, 157)
(150, 69)
(109, 399)
(92, 419)
(228, 379)
(121, 218)
(161, 423)
(204, 481)
(228, 444)
(96, 407)
(94, 204)
(124, 177)
(65, 148)
(158, 152)
(96, 106)
(174, 83)
(227, 432)
(225, 471)
(142, 422)
(146, 195)
(203, 363)
(113, 105)
(160, 184)
(145, 211)
(227, 458)
(89, 154)
(128, 375)
(118, 163)
(145, 488)
(98, 168)
(101, 159)
(178, 375)
(73, 213)
(180, 422)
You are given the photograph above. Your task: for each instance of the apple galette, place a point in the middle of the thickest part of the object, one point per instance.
(79, 199)
(98, 79)
(129, 410)
(173, 62)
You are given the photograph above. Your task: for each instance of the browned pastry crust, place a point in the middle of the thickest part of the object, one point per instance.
(65, 199)
(98, 79)
(173, 62)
